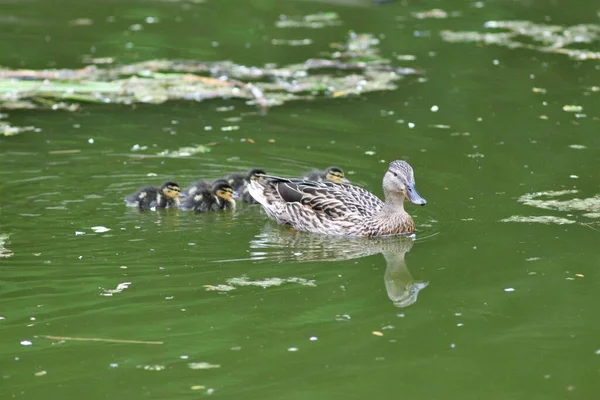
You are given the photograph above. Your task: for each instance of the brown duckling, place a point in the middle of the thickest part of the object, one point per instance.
(167, 196)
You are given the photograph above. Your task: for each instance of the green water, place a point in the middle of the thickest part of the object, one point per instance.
(467, 335)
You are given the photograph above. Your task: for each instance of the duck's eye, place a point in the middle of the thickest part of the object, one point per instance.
(395, 174)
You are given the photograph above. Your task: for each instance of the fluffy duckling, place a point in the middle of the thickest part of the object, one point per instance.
(239, 183)
(167, 196)
(197, 187)
(331, 174)
(225, 194)
(210, 197)
(239, 180)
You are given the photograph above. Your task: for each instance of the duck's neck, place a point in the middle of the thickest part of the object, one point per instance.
(394, 203)
(392, 219)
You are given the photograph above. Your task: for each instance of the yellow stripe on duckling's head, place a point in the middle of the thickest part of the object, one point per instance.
(223, 189)
(335, 175)
(170, 190)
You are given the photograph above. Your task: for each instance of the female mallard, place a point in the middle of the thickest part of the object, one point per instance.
(332, 174)
(167, 196)
(338, 208)
(210, 197)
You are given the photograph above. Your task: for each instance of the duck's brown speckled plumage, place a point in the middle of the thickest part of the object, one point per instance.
(340, 209)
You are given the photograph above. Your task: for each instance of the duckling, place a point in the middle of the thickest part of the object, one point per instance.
(238, 180)
(201, 199)
(225, 194)
(167, 196)
(196, 187)
(331, 174)
(239, 183)
(210, 197)
(341, 209)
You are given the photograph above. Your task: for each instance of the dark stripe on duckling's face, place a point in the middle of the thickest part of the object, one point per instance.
(223, 190)
(335, 175)
(171, 190)
(226, 194)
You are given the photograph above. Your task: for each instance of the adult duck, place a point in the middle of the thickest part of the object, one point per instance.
(338, 208)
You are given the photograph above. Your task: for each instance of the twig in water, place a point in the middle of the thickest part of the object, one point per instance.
(589, 226)
(99, 340)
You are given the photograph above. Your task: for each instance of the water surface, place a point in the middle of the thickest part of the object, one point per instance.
(508, 310)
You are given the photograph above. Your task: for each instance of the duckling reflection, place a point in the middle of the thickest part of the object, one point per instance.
(275, 242)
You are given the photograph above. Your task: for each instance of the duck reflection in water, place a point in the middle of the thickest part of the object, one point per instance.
(282, 244)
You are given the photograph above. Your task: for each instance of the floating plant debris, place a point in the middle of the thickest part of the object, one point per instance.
(4, 252)
(572, 108)
(590, 204)
(546, 201)
(154, 367)
(120, 287)
(291, 42)
(435, 13)
(314, 21)
(184, 151)
(82, 339)
(100, 229)
(7, 129)
(202, 365)
(541, 219)
(545, 38)
(219, 288)
(232, 283)
(353, 68)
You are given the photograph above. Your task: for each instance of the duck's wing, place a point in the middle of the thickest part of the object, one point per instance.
(332, 199)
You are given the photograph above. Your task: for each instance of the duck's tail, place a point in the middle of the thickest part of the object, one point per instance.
(257, 191)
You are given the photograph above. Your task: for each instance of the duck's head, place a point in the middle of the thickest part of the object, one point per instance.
(335, 175)
(170, 190)
(222, 189)
(256, 174)
(400, 179)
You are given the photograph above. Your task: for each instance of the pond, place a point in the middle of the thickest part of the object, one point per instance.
(493, 297)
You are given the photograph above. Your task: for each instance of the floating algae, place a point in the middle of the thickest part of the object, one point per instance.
(233, 283)
(4, 252)
(590, 204)
(547, 201)
(545, 38)
(314, 21)
(540, 219)
(353, 68)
